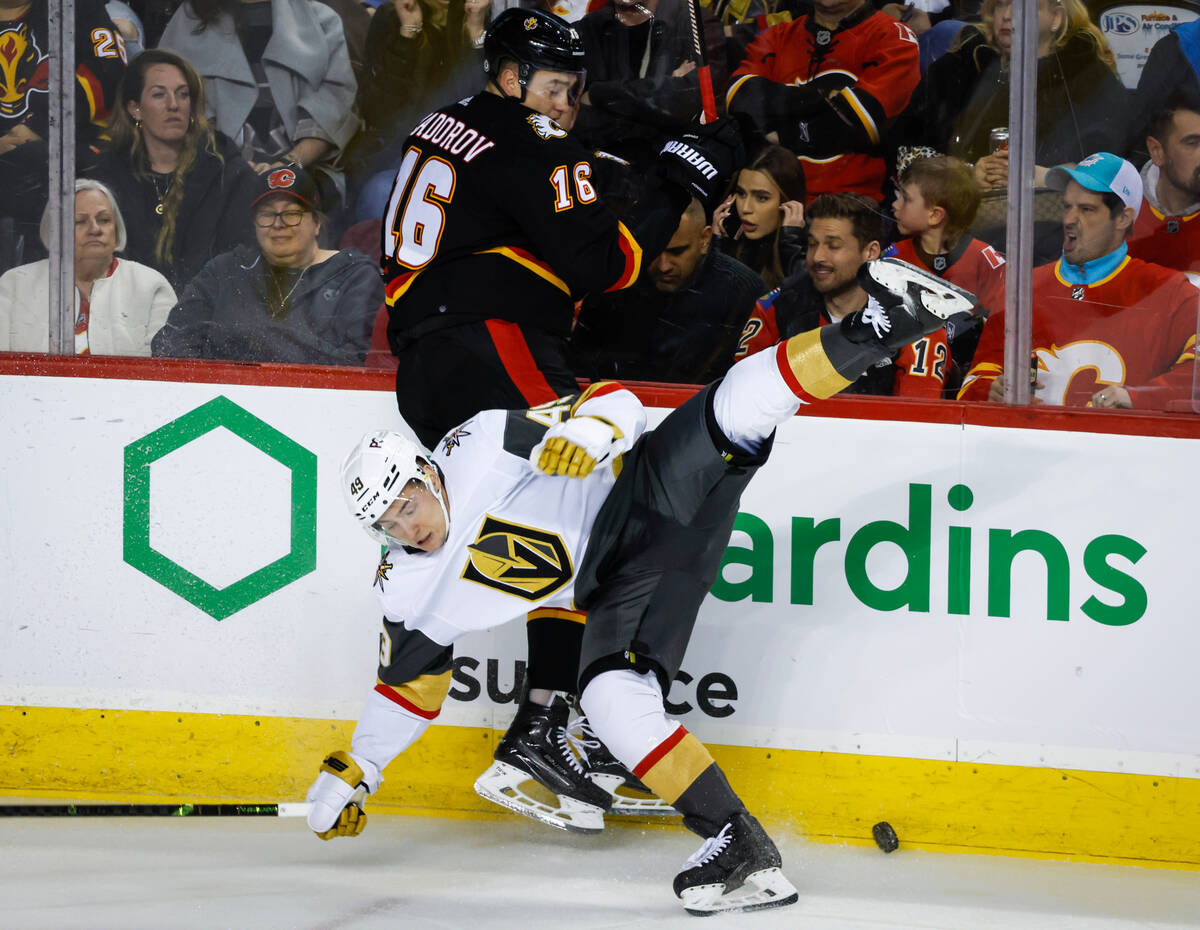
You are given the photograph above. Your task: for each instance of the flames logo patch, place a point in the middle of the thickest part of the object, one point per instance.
(545, 127)
(23, 70)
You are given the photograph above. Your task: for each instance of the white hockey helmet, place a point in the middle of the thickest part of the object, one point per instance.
(375, 473)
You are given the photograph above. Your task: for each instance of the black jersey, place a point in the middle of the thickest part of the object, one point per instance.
(494, 214)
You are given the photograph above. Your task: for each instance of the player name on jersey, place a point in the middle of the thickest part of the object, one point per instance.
(453, 135)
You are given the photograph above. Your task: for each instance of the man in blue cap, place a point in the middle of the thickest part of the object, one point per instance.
(1109, 330)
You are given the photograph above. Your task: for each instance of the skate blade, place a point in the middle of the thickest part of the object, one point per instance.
(937, 296)
(762, 889)
(501, 784)
(628, 800)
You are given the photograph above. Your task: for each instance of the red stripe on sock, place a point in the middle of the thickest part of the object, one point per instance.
(518, 362)
(412, 708)
(789, 377)
(656, 754)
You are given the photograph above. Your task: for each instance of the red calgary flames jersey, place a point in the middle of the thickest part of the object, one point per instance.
(972, 265)
(1173, 241)
(1136, 328)
(868, 68)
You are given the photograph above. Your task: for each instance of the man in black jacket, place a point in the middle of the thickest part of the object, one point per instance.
(682, 325)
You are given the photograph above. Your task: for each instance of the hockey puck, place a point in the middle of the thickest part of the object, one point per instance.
(885, 836)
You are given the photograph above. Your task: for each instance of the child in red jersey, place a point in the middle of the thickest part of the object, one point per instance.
(936, 202)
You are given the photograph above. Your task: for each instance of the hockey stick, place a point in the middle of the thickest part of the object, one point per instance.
(154, 810)
(708, 99)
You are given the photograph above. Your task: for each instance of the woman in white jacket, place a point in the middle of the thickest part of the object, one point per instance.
(119, 304)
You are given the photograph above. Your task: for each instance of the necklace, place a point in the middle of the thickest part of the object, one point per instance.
(282, 307)
(162, 192)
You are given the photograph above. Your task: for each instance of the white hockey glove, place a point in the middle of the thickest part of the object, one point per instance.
(338, 794)
(575, 447)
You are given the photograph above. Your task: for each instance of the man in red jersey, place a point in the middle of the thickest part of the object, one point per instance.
(826, 85)
(1167, 230)
(1109, 330)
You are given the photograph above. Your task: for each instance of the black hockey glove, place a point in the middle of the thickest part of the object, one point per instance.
(703, 159)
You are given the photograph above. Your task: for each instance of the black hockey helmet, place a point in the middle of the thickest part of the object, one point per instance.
(536, 41)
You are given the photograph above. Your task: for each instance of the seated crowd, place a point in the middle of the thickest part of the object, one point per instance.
(234, 174)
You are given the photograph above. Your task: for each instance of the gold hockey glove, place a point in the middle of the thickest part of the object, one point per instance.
(338, 795)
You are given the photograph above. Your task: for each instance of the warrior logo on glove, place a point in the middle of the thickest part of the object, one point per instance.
(692, 157)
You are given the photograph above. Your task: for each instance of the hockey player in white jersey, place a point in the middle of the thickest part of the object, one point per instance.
(571, 505)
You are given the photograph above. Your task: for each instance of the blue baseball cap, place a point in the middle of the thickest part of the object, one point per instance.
(1102, 172)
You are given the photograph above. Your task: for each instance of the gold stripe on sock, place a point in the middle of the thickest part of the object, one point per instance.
(673, 773)
(808, 367)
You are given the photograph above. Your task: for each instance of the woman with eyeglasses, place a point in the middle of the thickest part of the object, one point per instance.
(286, 300)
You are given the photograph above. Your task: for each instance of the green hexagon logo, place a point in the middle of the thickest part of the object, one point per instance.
(301, 558)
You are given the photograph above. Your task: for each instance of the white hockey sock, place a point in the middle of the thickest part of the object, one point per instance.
(625, 710)
(752, 400)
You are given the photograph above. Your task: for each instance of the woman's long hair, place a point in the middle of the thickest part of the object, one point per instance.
(783, 168)
(1076, 22)
(127, 139)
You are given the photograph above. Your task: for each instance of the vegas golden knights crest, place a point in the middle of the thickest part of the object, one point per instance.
(520, 560)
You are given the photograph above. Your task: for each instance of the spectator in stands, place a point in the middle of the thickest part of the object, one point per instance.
(1108, 330)
(642, 82)
(288, 300)
(761, 223)
(419, 52)
(1167, 230)
(119, 304)
(844, 230)
(24, 101)
(826, 86)
(680, 323)
(184, 188)
(1081, 105)
(1171, 70)
(936, 201)
(278, 81)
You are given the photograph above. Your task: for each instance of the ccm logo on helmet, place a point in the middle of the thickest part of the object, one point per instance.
(692, 157)
(281, 177)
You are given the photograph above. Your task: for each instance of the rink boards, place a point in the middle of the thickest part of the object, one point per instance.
(979, 631)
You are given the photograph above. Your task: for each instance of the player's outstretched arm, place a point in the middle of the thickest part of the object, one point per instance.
(414, 679)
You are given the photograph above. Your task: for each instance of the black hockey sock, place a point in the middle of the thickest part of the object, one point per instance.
(708, 803)
(554, 643)
(850, 359)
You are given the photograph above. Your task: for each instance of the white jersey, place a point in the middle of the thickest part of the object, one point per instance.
(516, 535)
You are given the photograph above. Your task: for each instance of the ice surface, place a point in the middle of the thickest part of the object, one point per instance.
(413, 873)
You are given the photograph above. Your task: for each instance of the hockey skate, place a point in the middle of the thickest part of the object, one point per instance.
(739, 869)
(628, 794)
(536, 748)
(915, 302)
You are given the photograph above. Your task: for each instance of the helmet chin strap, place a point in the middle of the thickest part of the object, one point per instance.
(439, 497)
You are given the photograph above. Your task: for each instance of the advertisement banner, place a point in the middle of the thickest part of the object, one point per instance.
(928, 590)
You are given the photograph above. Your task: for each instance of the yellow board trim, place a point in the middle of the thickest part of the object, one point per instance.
(117, 755)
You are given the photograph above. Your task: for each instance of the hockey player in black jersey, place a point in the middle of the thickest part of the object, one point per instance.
(575, 501)
(494, 229)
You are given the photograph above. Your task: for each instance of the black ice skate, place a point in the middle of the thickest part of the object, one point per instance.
(736, 870)
(536, 747)
(628, 794)
(914, 303)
